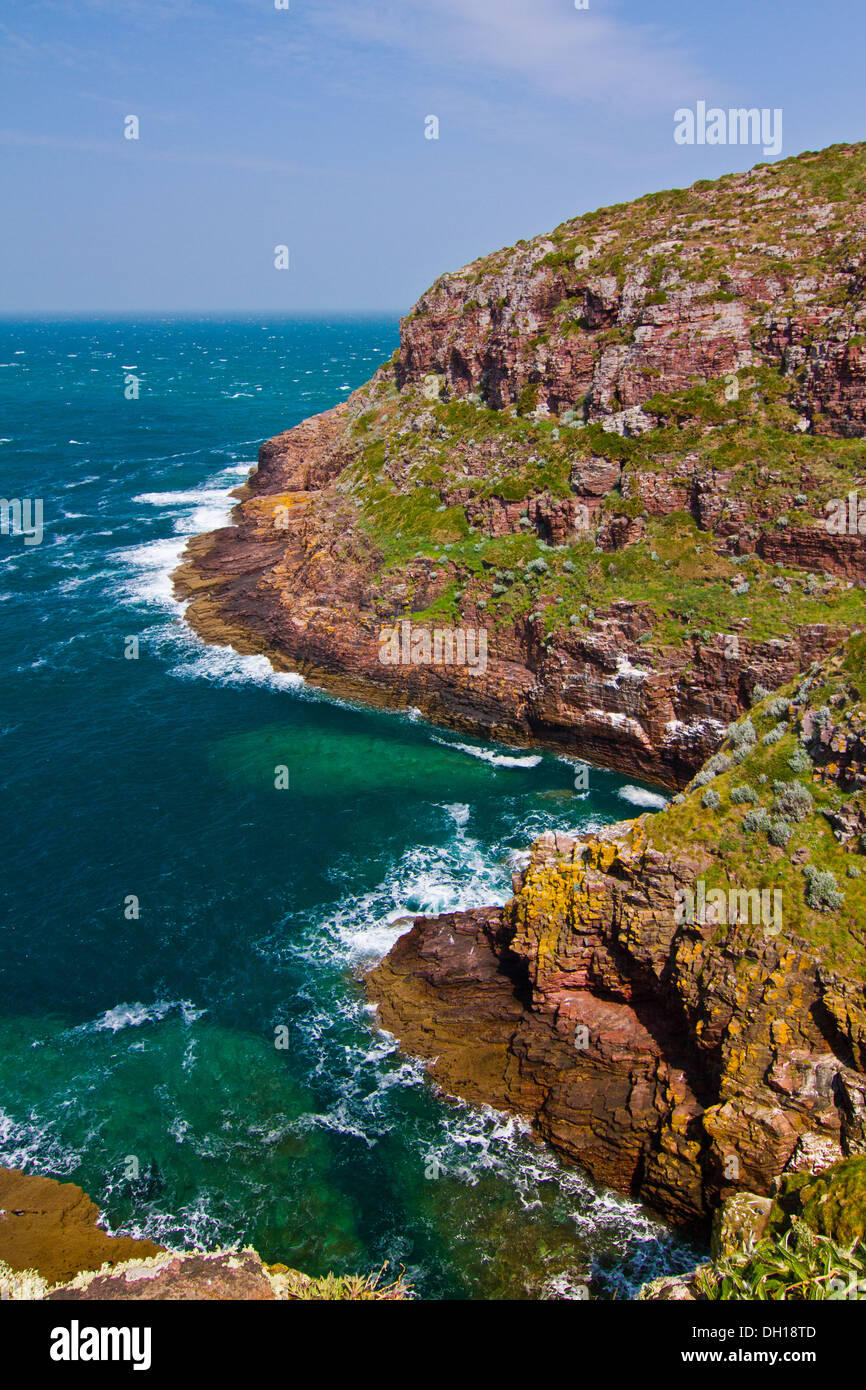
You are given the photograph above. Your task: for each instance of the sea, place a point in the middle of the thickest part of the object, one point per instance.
(183, 1025)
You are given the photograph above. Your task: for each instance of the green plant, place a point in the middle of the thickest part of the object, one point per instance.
(292, 1285)
(799, 761)
(822, 890)
(528, 399)
(780, 833)
(801, 1265)
(775, 735)
(740, 734)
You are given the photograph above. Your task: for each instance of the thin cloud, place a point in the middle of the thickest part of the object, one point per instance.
(576, 54)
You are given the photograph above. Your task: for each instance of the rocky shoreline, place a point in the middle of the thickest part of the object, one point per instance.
(284, 593)
(674, 1067)
(614, 450)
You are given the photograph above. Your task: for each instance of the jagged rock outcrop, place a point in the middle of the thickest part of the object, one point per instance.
(629, 301)
(677, 1054)
(669, 1060)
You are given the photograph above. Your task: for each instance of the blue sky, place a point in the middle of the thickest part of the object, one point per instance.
(305, 127)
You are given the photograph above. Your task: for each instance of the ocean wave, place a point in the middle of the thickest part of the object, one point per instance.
(227, 667)
(425, 881)
(641, 796)
(191, 511)
(488, 756)
(135, 1015)
(172, 500)
(192, 1226)
(149, 569)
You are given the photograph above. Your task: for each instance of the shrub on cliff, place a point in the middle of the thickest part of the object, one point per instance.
(779, 707)
(780, 833)
(822, 890)
(719, 762)
(528, 399)
(799, 761)
(740, 734)
(792, 801)
(775, 735)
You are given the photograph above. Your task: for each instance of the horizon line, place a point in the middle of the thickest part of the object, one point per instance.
(86, 314)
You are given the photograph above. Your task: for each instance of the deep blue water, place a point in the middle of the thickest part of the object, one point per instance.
(152, 1039)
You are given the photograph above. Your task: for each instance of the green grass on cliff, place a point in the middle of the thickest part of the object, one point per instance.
(414, 458)
(717, 819)
(628, 232)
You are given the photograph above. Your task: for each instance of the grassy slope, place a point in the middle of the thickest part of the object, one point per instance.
(737, 855)
(398, 482)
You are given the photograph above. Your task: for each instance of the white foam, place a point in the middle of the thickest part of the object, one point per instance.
(426, 881)
(640, 796)
(29, 1143)
(194, 1226)
(134, 1015)
(173, 500)
(225, 666)
(152, 564)
(192, 511)
(488, 756)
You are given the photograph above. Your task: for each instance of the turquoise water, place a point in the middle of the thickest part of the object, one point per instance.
(137, 1055)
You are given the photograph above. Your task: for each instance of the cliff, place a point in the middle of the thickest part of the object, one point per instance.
(677, 1001)
(619, 451)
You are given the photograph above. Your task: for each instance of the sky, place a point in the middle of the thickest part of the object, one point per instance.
(305, 127)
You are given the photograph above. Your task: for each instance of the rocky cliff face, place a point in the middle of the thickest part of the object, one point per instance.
(677, 1001)
(648, 297)
(614, 451)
